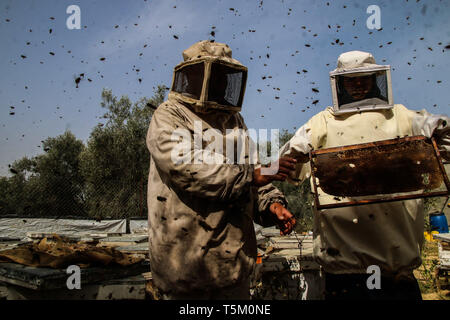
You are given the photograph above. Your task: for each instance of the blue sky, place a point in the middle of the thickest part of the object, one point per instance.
(269, 37)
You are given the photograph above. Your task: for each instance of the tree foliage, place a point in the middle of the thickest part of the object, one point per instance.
(116, 161)
(48, 184)
(105, 178)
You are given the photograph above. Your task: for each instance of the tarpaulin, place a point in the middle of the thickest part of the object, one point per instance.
(139, 226)
(18, 227)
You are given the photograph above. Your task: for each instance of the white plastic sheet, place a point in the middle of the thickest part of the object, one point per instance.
(139, 226)
(18, 227)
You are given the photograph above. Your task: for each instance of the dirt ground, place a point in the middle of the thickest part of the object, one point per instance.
(426, 276)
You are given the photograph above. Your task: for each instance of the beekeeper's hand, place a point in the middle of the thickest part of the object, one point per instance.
(285, 165)
(283, 217)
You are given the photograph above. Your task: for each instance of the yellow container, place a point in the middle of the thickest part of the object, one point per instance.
(429, 235)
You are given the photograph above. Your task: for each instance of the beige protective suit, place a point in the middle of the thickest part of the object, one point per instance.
(201, 215)
(389, 235)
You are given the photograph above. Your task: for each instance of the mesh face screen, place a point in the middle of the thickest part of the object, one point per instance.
(189, 80)
(364, 90)
(226, 85)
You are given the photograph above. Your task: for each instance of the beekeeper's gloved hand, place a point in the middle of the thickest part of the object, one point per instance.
(285, 165)
(283, 218)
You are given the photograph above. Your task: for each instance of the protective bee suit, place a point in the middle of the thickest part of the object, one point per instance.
(200, 216)
(389, 235)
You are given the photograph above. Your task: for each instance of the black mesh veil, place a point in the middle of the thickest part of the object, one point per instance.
(226, 85)
(189, 80)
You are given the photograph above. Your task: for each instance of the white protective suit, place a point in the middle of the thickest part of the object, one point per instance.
(201, 215)
(389, 235)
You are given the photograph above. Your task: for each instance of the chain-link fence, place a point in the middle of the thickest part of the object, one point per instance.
(35, 197)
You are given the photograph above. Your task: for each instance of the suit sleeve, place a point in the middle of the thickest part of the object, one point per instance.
(432, 125)
(298, 147)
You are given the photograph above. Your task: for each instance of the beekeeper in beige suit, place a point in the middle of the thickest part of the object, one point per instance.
(201, 232)
(389, 235)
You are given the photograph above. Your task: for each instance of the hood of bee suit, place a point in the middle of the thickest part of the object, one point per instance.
(209, 79)
(354, 64)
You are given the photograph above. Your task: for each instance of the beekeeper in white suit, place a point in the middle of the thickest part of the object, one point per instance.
(388, 235)
(201, 232)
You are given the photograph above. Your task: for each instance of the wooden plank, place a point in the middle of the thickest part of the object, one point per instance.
(271, 231)
(126, 238)
(442, 236)
(289, 245)
(29, 277)
(114, 244)
(104, 235)
(302, 239)
(128, 288)
(7, 239)
(444, 255)
(47, 278)
(142, 248)
(306, 252)
(20, 283)
(51, 235)
(147, 276)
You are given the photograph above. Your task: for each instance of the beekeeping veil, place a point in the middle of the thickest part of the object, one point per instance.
(358, 64)
(209, 78)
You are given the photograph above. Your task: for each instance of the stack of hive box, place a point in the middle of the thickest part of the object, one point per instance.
(286, 269)
(109, 277)
(443, 268)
